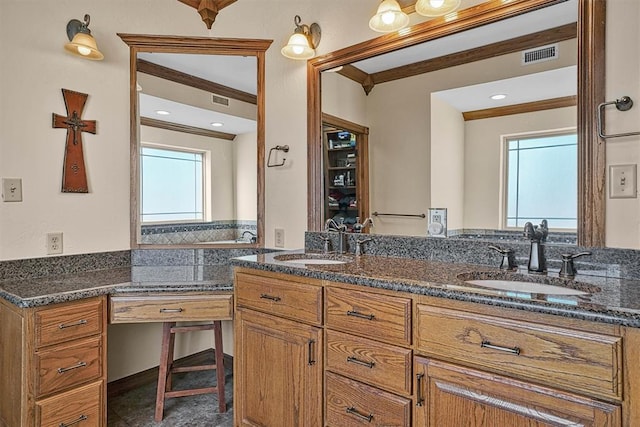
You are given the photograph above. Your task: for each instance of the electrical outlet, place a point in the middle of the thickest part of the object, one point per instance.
(279, 238)
(12, 189)
(54, 243)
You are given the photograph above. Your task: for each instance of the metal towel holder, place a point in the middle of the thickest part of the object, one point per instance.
(284, 148)
(623, 104)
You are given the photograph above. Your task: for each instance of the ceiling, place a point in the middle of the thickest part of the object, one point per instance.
(237, 72)
(240, 72)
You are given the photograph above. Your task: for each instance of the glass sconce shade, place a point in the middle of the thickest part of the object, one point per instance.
(84, 45)
(433, 8)
(298, 47)
(389, 17)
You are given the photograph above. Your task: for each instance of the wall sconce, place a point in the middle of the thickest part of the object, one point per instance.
(81, 42)
(436, 7)
(389, 17)
(303, 42)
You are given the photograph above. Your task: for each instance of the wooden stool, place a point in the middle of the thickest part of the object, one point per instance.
(169, 329)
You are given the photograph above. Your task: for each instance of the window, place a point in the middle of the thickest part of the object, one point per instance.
(535, 164)
(171, 185)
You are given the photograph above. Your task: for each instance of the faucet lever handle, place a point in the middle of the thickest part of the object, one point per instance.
(568, 268)
(508, 258)
(571, 257)
(359, 244)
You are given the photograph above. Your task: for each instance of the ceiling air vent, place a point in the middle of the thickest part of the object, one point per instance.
(220, 100)
(540, 54)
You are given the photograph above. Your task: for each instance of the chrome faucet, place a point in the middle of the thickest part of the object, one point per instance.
(359, 227)
(359, 243)
(253, 237)
(568, 269)
(508, 258)
(538, 235)
(331, 225)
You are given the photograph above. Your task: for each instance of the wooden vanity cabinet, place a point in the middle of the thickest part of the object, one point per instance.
(481, 367)
(53, 364)
(449, 395)
(400, 359)
(278, 361)
(368, 368)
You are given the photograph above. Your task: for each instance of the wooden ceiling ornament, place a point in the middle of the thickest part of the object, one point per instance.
(208, 9)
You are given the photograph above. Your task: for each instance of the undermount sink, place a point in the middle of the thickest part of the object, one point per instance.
(527, 287)
(527, 283)
(314, 259)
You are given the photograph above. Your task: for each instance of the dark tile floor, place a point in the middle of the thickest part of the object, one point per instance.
(136, 408)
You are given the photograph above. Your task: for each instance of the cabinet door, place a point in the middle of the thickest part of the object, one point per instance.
(451, 396)
(278, 371)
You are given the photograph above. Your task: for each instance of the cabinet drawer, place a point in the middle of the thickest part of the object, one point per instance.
(79, 407)
(170, 307)
(352, 403)
(382, 317)
(68, 321)
(382, 365)
(579, 361)
(67, 365)
(287, 298)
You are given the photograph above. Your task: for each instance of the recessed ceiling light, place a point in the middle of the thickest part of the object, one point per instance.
(217, 124)
(162, 112)
(498, 96)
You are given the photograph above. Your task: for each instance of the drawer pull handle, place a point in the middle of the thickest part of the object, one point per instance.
(512, 350)
(419, 397)
(360, 315)
(76, 366)
(354, 411)
(311, 360)
(269, 297)
(81, 418)
(171, 310)
(357, 361)
(70, 325)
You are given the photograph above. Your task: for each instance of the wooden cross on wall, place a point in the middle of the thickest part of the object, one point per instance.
(74, 175)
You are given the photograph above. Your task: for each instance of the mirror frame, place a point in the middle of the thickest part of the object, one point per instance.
(194, 45)
(590, 92)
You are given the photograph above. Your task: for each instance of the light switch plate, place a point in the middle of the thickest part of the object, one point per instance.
(437, 226)
(12, 189)
(622, 181)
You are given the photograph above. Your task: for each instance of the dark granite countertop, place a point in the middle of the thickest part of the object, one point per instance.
(607, 299)
(61, 288)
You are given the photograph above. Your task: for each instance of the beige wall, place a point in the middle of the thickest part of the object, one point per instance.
(448, 161)
(623, 78)
(245, 176)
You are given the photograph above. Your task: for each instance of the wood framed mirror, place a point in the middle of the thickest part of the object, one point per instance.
(225, 173)
(590, 92)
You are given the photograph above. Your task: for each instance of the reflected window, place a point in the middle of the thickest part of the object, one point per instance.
(542, 180)
(171, 185)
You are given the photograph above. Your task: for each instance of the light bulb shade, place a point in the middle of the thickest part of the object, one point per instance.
(433, 8)
(389, 17)
(298, 47)
(84, 45)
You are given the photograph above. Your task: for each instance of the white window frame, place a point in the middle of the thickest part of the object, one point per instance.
(504, 173)
(206, 184)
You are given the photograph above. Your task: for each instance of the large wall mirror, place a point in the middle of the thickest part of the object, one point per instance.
(437, 139)
(197, 141)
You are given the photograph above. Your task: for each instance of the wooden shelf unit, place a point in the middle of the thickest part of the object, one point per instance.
(345, 170)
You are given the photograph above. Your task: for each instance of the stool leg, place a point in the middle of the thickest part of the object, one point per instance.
(220, 374)
(164, 369)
